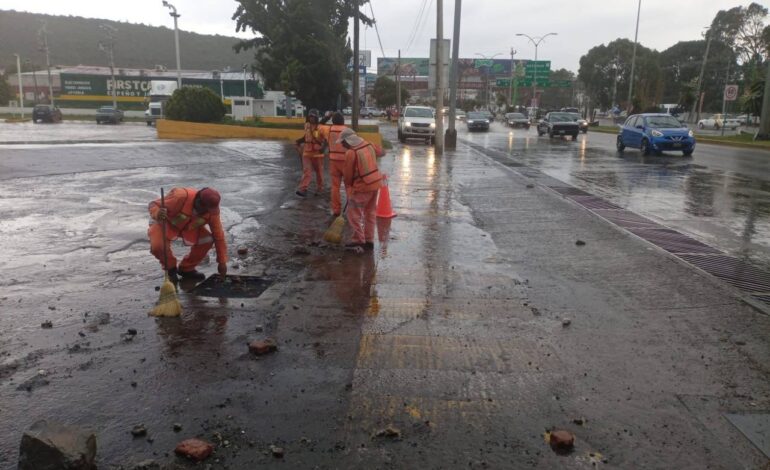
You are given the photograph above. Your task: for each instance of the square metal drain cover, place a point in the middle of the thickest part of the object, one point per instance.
(243, 287)
(756, 428)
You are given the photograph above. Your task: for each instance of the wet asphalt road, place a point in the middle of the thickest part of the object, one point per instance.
(720, 196)
(451, 330)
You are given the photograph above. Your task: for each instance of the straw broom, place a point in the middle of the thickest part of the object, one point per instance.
(168, 304)
(334, 233)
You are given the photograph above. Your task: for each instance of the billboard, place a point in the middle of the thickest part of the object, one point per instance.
(85, 85)
(467, 67)
(410, 66)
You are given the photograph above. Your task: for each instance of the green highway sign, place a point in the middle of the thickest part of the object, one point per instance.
(538, 65)
(503, 82)
(478, 63)
(545, 82)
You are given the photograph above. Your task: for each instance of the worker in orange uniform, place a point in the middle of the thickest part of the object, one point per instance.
(312, 154)
(363, 180)
(336, 157)
(187, 211)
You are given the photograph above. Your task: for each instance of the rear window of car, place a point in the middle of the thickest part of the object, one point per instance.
(515, 116)
(42, 107)
(477, 116)
(105, 109)
(663, 122)
(418, 112)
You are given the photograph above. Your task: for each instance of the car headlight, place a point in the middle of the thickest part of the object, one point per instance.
(691, 133)
(408, 124)
(656, 133)
(432, 125)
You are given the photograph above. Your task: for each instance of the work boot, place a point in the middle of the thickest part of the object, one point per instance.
(172, 275)
(194, 275)
(301, 193)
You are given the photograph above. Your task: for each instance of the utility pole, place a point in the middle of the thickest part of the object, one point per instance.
(108, 48)
(513, 74)
(764, 122)
(438, 139)
(244, 80)
(398, 84)
(724, 98)
(356, 72)
(633, 61)
(21, 87)
(34, 79)
(451, 134)
(616, 66)
(44, 34)
(695, 115)
(176, 16)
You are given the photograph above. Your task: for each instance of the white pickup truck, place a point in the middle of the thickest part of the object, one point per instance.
(717, 121)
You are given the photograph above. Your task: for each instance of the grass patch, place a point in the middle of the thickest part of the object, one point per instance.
(741, 139)
(605, 129)
(66, 117)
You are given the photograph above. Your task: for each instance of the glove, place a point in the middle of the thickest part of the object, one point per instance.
(162, 214)
(222, 268)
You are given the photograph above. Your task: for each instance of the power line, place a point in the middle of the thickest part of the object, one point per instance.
(421, 29)
(416, 26)
(376, 30)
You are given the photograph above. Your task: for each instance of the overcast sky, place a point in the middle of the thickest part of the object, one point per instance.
(488, 26)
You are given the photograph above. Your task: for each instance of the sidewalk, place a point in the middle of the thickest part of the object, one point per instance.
(464, 345)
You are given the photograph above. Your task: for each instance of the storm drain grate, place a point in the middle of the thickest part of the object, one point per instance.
(238, 287)
(569, 191)
(593, 202)
(755, 426)
(733, 271)
(627, 219)
(672, 241)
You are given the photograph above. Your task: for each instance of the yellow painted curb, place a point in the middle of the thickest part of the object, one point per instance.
(182, 130)
(282, 120)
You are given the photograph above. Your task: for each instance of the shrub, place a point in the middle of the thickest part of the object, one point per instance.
(195, 105)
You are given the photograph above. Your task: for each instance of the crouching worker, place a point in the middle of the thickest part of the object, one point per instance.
(363, 179)
(187, 211)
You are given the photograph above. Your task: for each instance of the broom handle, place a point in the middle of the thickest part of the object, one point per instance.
(163, 228)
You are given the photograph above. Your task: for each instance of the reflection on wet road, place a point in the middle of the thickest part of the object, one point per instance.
(720, 196)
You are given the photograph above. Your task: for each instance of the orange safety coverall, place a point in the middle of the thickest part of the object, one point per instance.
(312, 158)
(336, 164)
(363, 179)
(183, 221)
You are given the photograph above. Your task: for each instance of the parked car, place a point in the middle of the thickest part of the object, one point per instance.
(109, 114)
(371, 112)
(557, 123)
(46, 113)
(582, 123)
(570, 110)
(477, 121)
(418, 122)
(655, 133)
(517, 120)
(717, 121)
(460, 115)
(347, 111)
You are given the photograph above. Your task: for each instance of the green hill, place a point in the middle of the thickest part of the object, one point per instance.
(73, 41)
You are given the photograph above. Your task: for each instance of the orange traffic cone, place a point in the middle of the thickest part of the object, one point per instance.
(384, 209)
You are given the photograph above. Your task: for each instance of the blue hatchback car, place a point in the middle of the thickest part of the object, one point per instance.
(655, 133)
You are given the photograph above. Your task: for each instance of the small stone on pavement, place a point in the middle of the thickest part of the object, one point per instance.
(194, 449)
(276, 451)
(139, 431)
(580, 243)
(562, 441)
(262, 347)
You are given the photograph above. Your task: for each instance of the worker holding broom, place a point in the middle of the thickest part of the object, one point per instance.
(336, 157)
(362, 180)
(185, 212)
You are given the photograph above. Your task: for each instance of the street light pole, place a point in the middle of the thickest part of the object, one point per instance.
(34, 78)
(439, 130)
(108, 48)
(487, 87)
(21, 87)
(244, 80)
(451, 133)
(44, 33)
(513, 70)
(175, 15)
(536, 42)
(633, 61)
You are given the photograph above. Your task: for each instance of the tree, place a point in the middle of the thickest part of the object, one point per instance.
(681, 64)
(195, 104)
(751, 102)
(300, 45)
(555, 98)
(742, 28)
(603, 63)
(385, 92)
(5, 90)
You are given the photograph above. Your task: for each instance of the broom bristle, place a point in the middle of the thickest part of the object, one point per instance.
(168, 305)
(334, 233)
